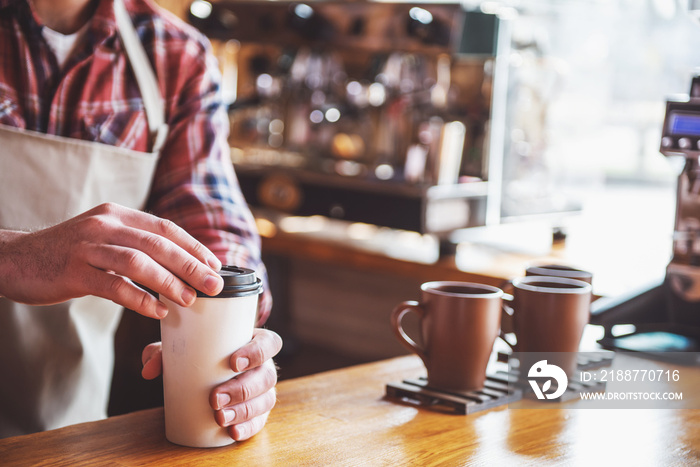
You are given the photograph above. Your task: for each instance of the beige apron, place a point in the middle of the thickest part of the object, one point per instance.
(56, 361)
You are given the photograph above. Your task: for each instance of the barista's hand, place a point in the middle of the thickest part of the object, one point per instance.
(244, 402)
(101, 252)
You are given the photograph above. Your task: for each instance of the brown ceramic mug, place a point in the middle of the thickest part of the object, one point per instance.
(559, 270)
(549, 314)
(459, 322)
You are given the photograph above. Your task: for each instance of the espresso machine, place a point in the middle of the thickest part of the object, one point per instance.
(387, 113)
(665, 317)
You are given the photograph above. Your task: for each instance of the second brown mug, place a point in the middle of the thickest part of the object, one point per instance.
(549, 314)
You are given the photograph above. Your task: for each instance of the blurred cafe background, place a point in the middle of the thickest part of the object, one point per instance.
(382, 144)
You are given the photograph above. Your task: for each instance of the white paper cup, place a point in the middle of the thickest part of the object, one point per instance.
(197, 344)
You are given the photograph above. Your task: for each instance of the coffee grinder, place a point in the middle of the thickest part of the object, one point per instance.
(666, 317)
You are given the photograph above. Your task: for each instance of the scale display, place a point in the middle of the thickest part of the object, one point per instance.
(684, 124)
(681, 129)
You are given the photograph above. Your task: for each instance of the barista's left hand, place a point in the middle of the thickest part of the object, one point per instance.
(244, 402)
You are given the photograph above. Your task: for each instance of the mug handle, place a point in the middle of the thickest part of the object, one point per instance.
(507, 320)
(505, 286)
(396, 317)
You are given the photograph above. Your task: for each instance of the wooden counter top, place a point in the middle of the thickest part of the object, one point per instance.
(623, 236)
(341, 418)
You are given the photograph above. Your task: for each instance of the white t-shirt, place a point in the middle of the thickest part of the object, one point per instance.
(61, 44)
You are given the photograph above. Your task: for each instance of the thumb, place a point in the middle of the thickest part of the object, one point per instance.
(152, 360)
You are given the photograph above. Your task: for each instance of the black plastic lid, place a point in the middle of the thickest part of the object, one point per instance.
(238, 282)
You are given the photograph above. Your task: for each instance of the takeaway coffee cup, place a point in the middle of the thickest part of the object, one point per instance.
(459, 323)
(197, 343)
(559, 270)
(548, 315)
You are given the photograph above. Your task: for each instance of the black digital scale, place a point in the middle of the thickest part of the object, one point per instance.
(665, 317)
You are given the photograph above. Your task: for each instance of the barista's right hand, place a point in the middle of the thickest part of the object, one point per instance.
(101, 252)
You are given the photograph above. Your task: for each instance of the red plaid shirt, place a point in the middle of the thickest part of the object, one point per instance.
(96, 98)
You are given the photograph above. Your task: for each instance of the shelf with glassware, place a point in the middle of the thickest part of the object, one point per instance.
(390, 149)
(365, 111)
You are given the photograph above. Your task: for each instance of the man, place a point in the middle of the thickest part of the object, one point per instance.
(109, 109)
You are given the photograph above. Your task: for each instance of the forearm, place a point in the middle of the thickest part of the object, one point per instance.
(195, 185)
(7, 236)
(8, 258)
(103, 252)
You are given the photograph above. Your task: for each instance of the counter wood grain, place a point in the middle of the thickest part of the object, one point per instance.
(341, 418)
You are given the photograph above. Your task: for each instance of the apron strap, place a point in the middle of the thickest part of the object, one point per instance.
(145, 77)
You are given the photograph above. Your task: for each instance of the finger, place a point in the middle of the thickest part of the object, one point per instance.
(123, 292)
(152, 360)
(264, 346)
(246, 430)
(168, 244)
(141, 268)
(164, 228)
(246, 411)
(244, 387)
(150, 350)
(172, 257)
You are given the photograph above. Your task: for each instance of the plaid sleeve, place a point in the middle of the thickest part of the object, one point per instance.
(195, 185)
